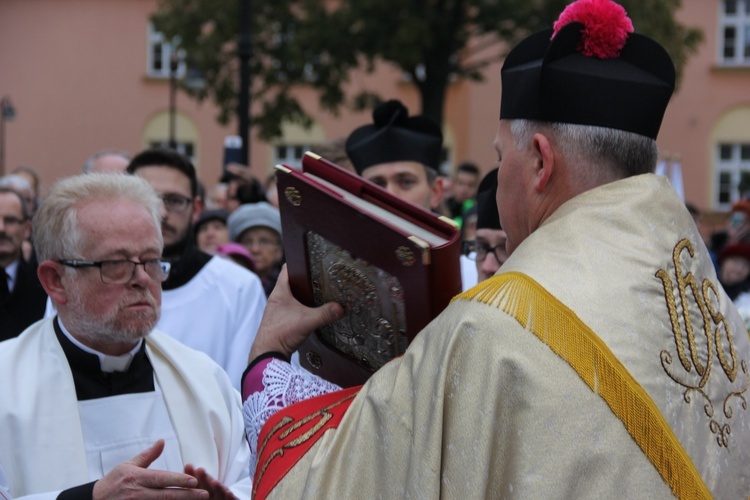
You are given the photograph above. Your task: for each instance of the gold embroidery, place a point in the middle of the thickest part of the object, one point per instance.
(718, 319)
(277, 453)
(284, 421)
(307, 435)
(405, 256)
(723, 433)
(293, 196)
(325, 416)
(718, 340)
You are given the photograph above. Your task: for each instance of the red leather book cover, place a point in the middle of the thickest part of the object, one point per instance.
(393, 266)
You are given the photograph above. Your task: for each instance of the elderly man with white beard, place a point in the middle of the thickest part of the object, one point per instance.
(96, 403)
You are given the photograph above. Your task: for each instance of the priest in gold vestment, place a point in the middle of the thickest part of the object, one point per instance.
(603, 360)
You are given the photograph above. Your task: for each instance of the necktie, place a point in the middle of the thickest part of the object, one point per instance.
(4, 290)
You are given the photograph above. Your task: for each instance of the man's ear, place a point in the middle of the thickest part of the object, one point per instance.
(50, 276)
(197, 209)
(436, 192)
(545, 158)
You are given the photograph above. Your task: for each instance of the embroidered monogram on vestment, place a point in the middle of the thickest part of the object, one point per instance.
(696, 350)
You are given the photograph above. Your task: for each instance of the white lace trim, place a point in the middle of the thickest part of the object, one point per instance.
(283, 385)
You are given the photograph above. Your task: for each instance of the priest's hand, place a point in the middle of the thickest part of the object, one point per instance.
(215, 489)
(133, 479)
(286, 322)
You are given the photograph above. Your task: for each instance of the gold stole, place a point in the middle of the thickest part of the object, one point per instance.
(561, 330)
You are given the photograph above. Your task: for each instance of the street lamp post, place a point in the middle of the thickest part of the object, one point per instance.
(245, 51)
(173, 65)
(7, 113)
(181, 74)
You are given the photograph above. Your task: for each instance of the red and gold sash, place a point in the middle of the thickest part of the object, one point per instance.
(291, 432)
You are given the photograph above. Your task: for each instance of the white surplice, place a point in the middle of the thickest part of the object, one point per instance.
(44, 447)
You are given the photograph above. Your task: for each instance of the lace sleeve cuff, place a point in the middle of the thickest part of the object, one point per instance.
(252, 378)
(281, 385)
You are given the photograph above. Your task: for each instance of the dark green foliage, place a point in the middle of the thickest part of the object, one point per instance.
(434, 42)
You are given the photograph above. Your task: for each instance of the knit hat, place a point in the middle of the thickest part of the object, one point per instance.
(207, 215)
(395, 136)
(735, 250)
(237, 252)
(487, 216)
(590, 70)
(253, 215)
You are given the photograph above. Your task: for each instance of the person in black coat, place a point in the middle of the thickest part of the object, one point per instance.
(22, 298)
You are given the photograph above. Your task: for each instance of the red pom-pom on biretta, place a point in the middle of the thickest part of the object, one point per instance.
(606, 26)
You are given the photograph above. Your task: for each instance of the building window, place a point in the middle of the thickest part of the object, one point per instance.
(733, 161)
(160, 51)
(290, 154)
(735, 32)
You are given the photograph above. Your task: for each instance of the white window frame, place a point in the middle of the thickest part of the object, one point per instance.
(733, 166)
(740, 21)
(292, 154)
(157, 39)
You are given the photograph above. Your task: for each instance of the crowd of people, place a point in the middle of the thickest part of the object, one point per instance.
(598, 350)
(202, 281)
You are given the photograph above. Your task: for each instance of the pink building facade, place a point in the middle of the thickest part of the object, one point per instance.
(707, 124)
(85, 75)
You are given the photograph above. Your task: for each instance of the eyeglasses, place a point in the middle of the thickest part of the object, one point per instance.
(175, 202)
(478, 251)
(11, 221)
(117, 272)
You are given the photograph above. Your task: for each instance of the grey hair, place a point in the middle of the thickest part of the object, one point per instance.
(56, 232)
(16, 182)
(601, 152)
(89, 163)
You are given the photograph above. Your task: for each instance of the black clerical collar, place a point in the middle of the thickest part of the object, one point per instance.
(92, 383)
(187, 261)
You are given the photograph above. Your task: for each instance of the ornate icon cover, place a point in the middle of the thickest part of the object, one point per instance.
(392, 265)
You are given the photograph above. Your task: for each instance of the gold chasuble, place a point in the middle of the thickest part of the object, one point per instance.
(560, 329)
(602, 361)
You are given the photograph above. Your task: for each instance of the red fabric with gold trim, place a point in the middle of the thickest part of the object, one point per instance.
(291, 432)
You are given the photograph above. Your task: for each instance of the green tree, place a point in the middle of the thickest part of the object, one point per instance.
(317, 43)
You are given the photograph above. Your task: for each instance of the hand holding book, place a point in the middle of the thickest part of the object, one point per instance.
(287, 323)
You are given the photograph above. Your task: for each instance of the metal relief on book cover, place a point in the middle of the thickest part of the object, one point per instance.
(373, 328)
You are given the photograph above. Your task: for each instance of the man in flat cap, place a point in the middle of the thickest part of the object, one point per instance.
(603, 360)
(400, 153)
